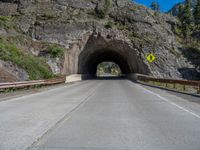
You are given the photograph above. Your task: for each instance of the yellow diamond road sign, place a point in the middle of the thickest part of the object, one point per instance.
(151, 58)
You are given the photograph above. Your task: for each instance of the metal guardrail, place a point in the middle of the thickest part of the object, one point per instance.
(24, 84)
(139, 77)
(184, 83)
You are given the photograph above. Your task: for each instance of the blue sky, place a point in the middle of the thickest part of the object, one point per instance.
(165, 4)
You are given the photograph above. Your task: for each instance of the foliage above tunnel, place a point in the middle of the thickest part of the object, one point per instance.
(103, 8)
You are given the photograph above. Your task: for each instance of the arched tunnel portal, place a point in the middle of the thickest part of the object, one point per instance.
(99, 49)
(89, 65)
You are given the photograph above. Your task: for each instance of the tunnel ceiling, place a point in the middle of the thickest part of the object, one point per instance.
(99, 49)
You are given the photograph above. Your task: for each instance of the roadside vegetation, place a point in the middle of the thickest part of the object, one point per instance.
(6, 22)
(188, 31)
(36, 67)
(189, 28)
(54, 50)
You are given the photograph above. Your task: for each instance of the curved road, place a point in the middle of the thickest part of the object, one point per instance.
(100, 115)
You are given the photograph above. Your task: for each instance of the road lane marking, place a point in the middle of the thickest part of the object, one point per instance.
(65, 118)
(59, 123)
(172, 103)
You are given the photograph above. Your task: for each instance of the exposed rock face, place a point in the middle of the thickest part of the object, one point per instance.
(11, 72)
(8, 8)
(104, 30)
(54, 63)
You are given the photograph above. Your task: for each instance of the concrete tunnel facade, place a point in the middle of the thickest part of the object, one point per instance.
(98, 49)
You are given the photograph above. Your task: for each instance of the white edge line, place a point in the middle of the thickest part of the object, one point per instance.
(172, 103)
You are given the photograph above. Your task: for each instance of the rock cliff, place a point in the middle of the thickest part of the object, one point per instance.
(76, 25)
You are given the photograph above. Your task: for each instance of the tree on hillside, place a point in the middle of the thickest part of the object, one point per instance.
(155, 6)
(186, 18)
(197, 14)
(180, 10)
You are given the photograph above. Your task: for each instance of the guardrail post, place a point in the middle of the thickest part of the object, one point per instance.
(184, 87)
(174, 85)
(166, 85)
(198, 91)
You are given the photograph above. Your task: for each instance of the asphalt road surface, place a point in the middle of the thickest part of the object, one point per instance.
(100, 115)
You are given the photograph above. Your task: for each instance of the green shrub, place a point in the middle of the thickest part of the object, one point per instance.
(122, 27)
(106, 7)
(54, 50)
(6, 22)
(109, 25)
(177, 31)
(35, 67)
(5, 18)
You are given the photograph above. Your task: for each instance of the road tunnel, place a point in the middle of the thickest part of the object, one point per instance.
(99, 49)
(89, 65)
(84, 58)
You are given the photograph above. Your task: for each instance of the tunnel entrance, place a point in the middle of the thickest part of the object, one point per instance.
(99, 49)
(89, 63)
(108, 69)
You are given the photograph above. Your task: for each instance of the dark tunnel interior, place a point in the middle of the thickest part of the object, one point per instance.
(88, 62)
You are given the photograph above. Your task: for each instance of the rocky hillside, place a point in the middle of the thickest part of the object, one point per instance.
(36, 36)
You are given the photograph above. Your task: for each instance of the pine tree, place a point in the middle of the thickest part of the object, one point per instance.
(155, 6)
(186, 18)
(180, 11)
(197, 14)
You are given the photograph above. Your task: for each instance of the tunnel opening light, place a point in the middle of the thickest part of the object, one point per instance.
(108, 69)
